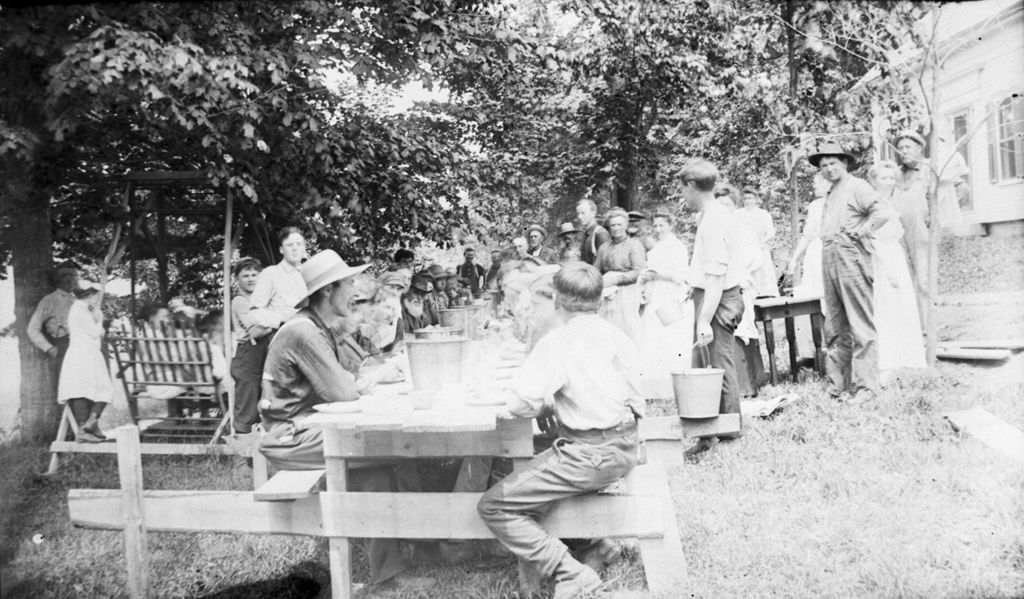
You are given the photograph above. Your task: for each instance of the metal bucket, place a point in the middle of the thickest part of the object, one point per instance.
(434, 363)
(698, 391)
(469, 318)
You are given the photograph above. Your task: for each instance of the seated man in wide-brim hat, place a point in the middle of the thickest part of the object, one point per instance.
(302, 370)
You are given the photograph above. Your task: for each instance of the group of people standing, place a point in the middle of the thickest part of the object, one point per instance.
(864, 249)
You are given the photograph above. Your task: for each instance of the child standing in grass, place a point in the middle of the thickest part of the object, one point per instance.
(591, 369)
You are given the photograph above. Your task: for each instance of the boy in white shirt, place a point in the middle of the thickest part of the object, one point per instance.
(591, 369)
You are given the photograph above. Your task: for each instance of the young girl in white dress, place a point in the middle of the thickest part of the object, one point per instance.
(900, 342)
(84, 381)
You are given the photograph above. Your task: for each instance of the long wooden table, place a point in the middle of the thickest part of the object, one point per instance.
(771, 308)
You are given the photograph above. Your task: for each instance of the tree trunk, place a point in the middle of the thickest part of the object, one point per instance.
(794, 192)
(26, 203)
(31, 238)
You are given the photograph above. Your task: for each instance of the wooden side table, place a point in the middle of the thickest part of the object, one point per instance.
(771, 308)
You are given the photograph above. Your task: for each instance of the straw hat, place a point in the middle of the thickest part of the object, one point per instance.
(437, 272)
(911, 135)
(537, 228)
(830, 148)
(323, 269)
(567, 229)
(394, 279)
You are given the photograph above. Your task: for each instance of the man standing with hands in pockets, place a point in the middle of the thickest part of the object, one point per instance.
(716, 270)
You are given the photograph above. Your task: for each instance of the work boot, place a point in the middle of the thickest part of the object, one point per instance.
(601, 554)
(408, 582)
(695, 452)
(573, 579)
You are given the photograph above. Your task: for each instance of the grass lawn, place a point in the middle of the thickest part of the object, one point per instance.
(825, 499)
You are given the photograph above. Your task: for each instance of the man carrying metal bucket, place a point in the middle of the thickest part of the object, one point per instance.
(716, 269)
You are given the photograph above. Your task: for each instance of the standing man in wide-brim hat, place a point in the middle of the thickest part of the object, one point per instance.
(852, 212)
(568, 243)
(302, 370)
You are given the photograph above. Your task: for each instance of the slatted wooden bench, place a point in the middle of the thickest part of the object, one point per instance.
(171, 360)
(641, 507)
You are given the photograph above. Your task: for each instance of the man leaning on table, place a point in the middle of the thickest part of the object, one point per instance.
(591, 369)
(302, 370)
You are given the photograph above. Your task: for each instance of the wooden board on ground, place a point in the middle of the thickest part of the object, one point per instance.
(289, 485)
(953, 352)
(990, 430)
(1010, 344)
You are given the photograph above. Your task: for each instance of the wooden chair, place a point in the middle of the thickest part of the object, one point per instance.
(168, 364)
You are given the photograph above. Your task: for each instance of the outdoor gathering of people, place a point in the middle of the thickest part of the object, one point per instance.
(601, 320)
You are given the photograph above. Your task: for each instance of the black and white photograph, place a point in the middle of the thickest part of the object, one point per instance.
(512, 299)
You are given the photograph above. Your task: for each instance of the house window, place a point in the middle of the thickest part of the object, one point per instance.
(1006, 140)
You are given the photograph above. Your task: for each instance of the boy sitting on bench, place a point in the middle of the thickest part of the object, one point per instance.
(591, 369)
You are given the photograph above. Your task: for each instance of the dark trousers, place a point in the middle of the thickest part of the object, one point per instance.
(722, 349)
(247, 370)
(850, 337)
(289, 448)
(574, 465)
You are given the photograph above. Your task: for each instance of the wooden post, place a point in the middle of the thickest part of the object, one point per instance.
(129, 467)
(228, 344)
(339, 549)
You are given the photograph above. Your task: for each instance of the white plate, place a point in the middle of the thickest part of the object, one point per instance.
(340, 407)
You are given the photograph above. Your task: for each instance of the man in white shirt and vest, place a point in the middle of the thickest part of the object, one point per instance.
(717, 267)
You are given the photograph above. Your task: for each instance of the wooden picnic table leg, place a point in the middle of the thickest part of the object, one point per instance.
(769, 343)
(791, 340)
(817, 326)
(340, 549)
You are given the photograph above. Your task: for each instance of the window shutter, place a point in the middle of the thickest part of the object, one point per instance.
(993, 143)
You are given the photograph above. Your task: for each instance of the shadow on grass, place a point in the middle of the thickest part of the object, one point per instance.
(292, 586)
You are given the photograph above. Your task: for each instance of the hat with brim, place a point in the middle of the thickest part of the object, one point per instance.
(911, 135)
(323, 269)
(437, 272)
(635, 217)
(421, 285)
(538, 229)
(394, 279)
(830, 148)
(567, 229)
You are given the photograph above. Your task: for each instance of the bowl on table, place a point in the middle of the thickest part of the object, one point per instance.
(436, 332)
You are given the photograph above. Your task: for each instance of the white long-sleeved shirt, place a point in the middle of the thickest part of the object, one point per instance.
(590, 367)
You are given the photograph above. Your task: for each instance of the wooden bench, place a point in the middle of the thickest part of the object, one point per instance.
(289, 485)
(640, 508)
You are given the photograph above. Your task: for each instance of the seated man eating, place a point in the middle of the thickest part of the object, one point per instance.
(591, 369)
(302, 370)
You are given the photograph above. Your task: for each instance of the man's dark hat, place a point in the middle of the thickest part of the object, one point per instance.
(830, 148)
(636, 216)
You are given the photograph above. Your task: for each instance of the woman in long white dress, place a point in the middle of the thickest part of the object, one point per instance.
(900, 342)
(84, 381)
(807, 255)
(760, 222)
(666, 347)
